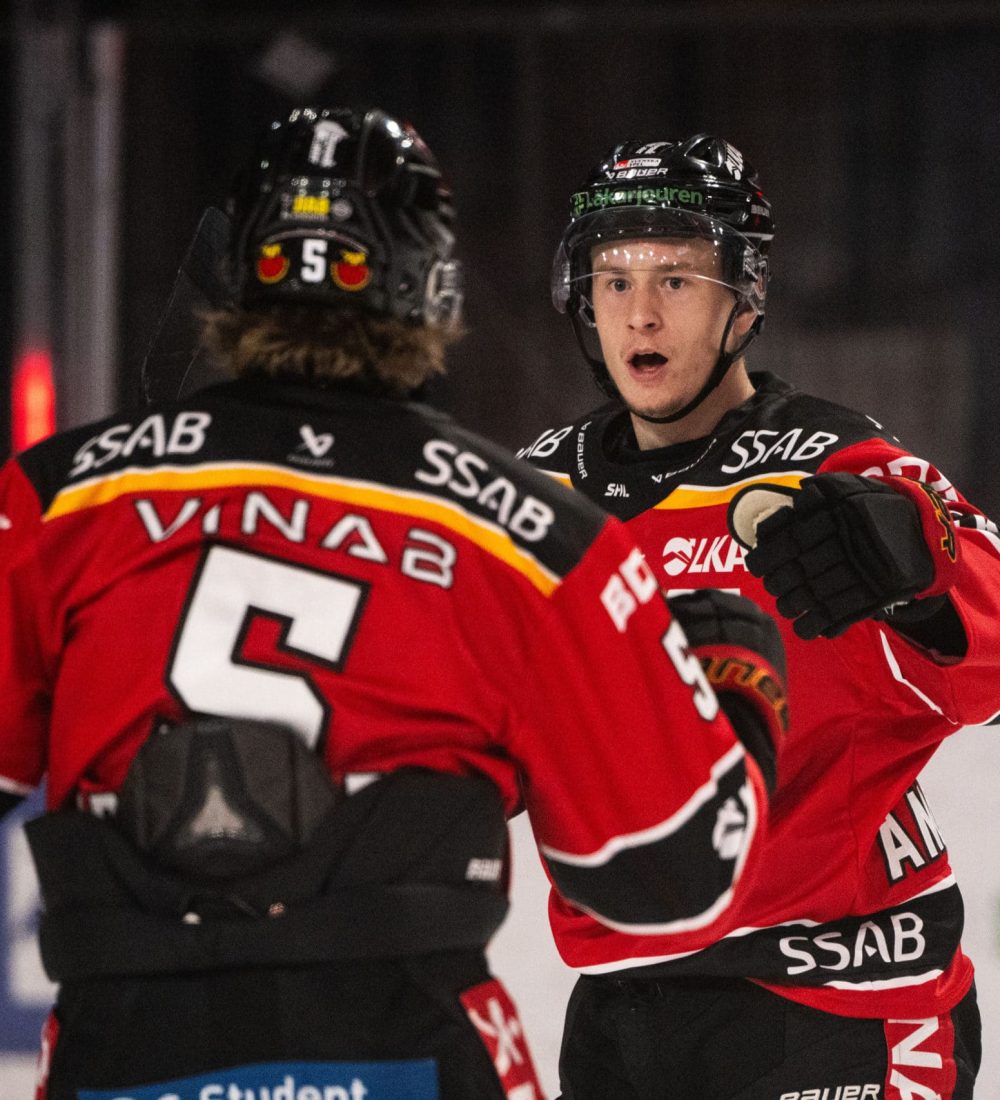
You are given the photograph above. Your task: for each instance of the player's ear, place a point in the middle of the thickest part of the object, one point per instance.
(742, 323)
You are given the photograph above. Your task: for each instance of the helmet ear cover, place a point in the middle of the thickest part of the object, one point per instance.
(346, 207)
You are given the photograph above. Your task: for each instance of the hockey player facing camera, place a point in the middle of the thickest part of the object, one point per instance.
(290, 649)
(846, 977)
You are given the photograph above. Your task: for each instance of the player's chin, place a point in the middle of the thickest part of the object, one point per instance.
(644, 397)
(644, 407)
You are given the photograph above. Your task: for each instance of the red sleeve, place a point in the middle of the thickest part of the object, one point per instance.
(966, 691)
(645, 808)
(23, 720)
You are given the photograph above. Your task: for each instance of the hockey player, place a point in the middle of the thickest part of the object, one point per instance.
(845, 977)
(291, 648)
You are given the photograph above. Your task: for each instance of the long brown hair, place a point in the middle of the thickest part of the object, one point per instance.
(317, 344)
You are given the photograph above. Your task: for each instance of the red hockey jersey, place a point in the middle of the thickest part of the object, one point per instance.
(855, 909)
(398, 591)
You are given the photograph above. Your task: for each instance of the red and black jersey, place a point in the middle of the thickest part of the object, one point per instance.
(855, 909)
(398, 591)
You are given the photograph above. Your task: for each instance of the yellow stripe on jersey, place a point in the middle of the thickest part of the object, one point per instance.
(488, 536)
(564, 478)
(706, 496)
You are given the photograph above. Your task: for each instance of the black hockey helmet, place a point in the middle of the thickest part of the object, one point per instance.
(346, 206)
(701, 187)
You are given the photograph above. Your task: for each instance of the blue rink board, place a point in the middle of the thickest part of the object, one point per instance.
(20, 1021)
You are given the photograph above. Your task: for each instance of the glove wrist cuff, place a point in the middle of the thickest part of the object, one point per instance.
(736, 669)
(938, 529)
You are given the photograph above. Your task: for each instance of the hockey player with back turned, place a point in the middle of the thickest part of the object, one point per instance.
(311, 643)
(845, 978)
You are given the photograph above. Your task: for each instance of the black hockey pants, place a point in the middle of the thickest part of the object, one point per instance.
(728, 1039)
(272, 1033)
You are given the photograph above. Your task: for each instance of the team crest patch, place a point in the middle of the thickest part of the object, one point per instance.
(416, 1080)
(351, 272)
(494, 1016)
(272, 264)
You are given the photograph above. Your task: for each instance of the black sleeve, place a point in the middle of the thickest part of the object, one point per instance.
(933, 624)
(746, 723)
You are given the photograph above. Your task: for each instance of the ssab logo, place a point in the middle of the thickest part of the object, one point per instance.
(720, 554)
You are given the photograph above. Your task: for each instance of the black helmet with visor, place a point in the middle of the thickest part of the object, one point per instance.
(699, 188)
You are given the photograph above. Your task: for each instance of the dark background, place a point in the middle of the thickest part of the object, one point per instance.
(874, 128)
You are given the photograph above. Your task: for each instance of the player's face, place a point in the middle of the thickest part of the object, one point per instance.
(661, 312)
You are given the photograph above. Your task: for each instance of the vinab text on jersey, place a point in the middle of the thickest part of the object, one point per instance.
(425, 556)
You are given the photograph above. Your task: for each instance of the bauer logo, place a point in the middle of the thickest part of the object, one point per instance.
(840, 1092)
(292, 1081)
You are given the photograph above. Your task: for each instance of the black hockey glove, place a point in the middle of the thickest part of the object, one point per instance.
(741, 651)
(844, 548)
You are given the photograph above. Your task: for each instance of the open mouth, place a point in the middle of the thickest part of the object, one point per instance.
(646, 360)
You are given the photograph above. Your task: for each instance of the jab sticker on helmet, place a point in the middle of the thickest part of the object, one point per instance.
(272, 264)
(311, 206)
(352, 272)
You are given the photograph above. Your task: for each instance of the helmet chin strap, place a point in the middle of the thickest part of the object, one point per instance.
(722, 365)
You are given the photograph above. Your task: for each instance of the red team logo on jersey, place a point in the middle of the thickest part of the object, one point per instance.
(947, 538)
(495, 1018)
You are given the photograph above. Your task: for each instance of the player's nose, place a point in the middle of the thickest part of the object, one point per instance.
(644, 309)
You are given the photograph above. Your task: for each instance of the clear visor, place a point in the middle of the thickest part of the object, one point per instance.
(655, 239)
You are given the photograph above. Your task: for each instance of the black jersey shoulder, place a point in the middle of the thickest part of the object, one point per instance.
(479, 471)
(373, 441)
(64, 459)
(781, 428)
(557, 450)
(778, 429)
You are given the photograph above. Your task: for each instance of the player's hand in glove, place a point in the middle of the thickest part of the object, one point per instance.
(741, 652)
(843, 548)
